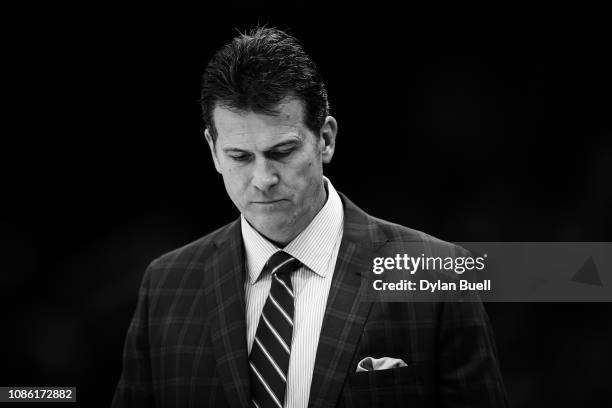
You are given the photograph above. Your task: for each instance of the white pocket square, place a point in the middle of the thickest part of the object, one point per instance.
(383, 363)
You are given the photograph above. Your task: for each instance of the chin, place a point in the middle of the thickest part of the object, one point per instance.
(268, 224)
(274, 227)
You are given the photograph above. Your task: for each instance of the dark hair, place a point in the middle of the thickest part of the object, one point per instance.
(256, 71)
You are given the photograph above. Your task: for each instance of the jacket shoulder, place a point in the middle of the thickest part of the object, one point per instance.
(399, 234)
(192, 256)
(363, 226)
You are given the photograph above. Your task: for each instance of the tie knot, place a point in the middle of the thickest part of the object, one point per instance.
(281, 263)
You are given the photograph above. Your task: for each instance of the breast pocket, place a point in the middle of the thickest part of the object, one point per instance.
(382, 378)
(413, 384)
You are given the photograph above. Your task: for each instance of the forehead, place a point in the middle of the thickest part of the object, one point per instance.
(248, 127)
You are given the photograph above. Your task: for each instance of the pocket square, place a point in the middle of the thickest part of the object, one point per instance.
(383, 363)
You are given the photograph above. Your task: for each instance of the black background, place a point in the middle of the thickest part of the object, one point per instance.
(469, 122)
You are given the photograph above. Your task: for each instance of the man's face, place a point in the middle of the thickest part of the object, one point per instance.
(272, 166)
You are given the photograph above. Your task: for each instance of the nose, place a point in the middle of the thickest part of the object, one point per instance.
(265, 175)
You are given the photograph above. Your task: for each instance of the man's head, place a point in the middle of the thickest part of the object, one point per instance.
(269, 130)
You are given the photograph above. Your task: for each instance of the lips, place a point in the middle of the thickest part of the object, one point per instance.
(268, 201)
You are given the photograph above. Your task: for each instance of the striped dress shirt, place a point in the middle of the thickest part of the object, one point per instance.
(316, 247)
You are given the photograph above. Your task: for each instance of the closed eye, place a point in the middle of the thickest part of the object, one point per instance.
(280, 154)
(242, 157)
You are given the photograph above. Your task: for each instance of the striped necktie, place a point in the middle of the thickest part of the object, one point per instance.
(269, 359)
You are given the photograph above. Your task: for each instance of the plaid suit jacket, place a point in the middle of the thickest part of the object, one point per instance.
(186, 345)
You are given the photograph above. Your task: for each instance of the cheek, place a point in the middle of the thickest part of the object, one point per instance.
(300, 175)
(234, 179)
(307, 177)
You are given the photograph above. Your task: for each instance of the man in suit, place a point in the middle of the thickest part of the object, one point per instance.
(270, 310)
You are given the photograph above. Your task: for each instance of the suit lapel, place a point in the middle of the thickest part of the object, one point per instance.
(225, 297)
(345, 313)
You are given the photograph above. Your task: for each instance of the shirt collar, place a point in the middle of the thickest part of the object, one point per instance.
(313, 247)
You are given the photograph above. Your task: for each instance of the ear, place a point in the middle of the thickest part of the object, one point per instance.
(213, 152)
(328, 136)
